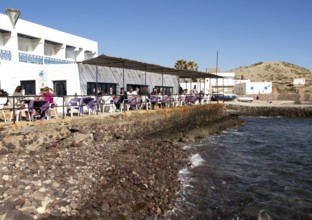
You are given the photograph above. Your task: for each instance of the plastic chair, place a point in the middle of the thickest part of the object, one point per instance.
(89, 104)
(107, 102)
(73, 106)
(19, 111)
(53, 111)
(145, 102)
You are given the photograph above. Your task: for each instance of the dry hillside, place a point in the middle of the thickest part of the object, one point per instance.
(280, 73)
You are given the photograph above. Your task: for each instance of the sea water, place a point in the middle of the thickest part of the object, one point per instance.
(262, 171)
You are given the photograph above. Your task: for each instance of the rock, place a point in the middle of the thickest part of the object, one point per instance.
(6, 177)
(16, 215)
(3, 151)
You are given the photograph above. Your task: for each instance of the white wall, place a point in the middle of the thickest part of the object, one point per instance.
(253, 88)
(12, 73)
(299, 82)
(44, 33)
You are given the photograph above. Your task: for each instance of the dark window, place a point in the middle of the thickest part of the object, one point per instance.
(29, 86)
(59, 88)
(103, 88)
(166, 90)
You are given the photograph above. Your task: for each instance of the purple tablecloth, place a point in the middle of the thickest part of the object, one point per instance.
(42, 105)
(87, 101)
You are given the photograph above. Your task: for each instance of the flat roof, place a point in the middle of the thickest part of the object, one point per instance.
(104, 60)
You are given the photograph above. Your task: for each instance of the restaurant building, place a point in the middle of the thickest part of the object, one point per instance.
(35, 56)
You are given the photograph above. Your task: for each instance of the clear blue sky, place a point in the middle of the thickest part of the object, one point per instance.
(161, 32)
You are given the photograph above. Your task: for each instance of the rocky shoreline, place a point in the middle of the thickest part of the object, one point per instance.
(121, 179)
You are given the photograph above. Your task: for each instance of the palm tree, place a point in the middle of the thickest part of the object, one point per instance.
(181, 65)
(191, 65)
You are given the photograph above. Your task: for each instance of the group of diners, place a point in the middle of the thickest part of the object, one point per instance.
(41, 105)
(136, 99)
(38, 106)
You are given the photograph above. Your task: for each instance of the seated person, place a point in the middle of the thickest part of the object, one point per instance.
(110, 91)
(4, 94)
(154, 97)
(18, 96)
(123, 98)
(131, 92)
(145, 96)
(137, 91)
(46, 95)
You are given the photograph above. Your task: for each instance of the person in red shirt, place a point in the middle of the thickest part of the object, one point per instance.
(47, 95)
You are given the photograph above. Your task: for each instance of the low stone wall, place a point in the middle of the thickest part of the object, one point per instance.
(296, 97)
(285, 111)
(27, 137)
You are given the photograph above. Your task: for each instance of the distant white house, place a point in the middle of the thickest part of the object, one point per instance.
(225, 84)
(299, 82)
(212, 85)
(246, 87)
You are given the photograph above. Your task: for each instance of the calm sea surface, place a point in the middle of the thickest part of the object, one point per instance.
(262, 170)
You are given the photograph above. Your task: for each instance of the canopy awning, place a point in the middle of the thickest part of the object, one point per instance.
(116, 62)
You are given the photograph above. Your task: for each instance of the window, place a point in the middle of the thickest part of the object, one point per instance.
(252, 88)
(29, 86)
(165, 89)
(59, 88)
(103, 88)
(265, 88)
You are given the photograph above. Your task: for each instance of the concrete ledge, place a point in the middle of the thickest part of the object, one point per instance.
(276, 108)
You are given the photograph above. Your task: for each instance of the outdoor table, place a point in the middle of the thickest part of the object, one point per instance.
(86, 102)
(42, 105)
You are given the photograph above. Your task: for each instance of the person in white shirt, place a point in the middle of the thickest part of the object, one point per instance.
(137, 90)
(194, 91)
(131, 92)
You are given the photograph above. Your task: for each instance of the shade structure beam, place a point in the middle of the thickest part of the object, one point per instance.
(115, 62)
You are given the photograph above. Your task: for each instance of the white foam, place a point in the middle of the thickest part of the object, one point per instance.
(184, 177)
(184, 171)
(238, 133)
(186, 186)
(196, 160)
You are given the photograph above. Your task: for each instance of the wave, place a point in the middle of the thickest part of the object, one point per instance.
(196, 160)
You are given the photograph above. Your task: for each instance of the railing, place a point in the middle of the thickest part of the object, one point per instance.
(5, 55)
(49, 60)
(29, 58)
(64, 104)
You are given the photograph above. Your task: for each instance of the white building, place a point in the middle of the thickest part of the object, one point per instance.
(246, 87)
(32, 43)
(299, 82)
(212, 85)
(224, 85)
(26, 51)
(35, 56)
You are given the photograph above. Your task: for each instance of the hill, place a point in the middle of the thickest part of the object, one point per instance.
(281, 74)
